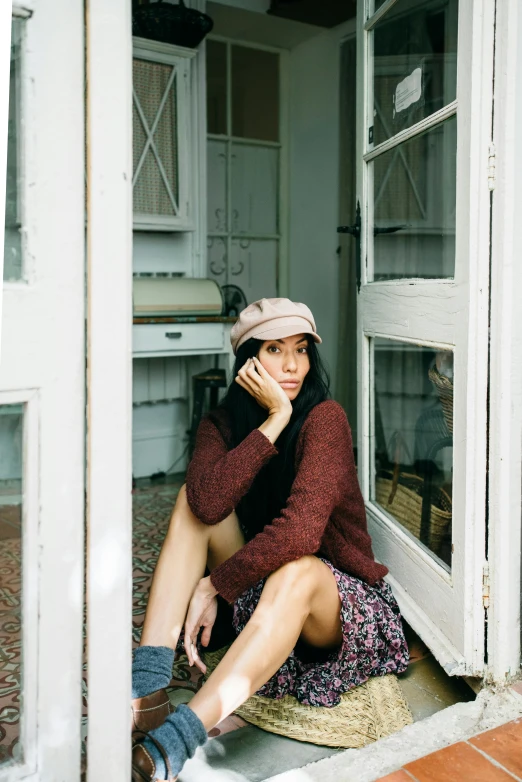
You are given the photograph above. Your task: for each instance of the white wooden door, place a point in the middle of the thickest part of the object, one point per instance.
(424, 130)
(42, 401)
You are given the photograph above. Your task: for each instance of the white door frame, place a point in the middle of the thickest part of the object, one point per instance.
(414, 574)
(505, 413)
(109, 383)
(43, 367)
(5, 49)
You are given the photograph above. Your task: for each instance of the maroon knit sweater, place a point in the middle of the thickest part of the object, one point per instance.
(324, 513)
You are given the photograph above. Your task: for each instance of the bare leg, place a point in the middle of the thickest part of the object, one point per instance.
(299, 600)
(187, 548)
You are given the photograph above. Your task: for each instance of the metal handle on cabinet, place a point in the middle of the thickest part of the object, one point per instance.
(173, 334)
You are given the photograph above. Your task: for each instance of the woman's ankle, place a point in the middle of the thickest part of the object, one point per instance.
(151, 669)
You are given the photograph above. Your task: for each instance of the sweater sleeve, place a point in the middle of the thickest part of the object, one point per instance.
(218, 478)
(324, 472)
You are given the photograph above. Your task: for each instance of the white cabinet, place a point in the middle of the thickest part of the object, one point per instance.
(163, 148)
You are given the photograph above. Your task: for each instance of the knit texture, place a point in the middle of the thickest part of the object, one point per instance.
(151, 669)
(324, 513)
(180, 736)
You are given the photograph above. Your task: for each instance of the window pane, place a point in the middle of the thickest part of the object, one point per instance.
(415, 64)
(413, 440)
(216, 87)
(414, 187)
(13, 239)
(155, 186)
(255, 94)
(11, 492)
(255, 187)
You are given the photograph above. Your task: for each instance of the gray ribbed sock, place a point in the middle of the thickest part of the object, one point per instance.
(180, 736)
(151, 669)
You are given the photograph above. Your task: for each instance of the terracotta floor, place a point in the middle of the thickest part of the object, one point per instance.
(493, 756)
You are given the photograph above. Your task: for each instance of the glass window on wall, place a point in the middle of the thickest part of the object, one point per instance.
(11, 497)
(243, 167)
(13, 267)
(413, 440)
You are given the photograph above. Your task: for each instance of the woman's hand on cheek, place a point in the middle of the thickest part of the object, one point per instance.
(254, 378)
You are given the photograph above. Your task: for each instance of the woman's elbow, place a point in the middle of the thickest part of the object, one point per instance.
(203, 508)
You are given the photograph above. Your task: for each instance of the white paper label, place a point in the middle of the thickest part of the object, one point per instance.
(408, 91)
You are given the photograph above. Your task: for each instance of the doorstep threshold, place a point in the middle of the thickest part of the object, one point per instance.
(491, 708)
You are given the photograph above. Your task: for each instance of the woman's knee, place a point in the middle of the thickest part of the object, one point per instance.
(297, 576)
(182, 515)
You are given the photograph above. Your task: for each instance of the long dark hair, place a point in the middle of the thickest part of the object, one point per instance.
(271, 488)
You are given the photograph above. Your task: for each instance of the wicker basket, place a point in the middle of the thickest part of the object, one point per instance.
(403, 501)
(444, 388)
(174, 24)
(365, 714)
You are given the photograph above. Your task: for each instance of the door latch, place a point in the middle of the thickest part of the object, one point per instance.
(485, 585)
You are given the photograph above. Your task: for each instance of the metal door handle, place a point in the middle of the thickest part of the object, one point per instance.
(355, 231)
(173, 334)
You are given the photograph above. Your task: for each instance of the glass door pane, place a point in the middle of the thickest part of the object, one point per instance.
(413, 440)
(255, 94)
(13, 219)
(216, 87)
(414, 64)
(11, 500)
(414, 188)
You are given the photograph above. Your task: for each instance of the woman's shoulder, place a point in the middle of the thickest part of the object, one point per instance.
(325, 413)
(325, 427)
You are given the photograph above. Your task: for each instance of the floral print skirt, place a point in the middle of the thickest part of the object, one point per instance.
(373, 644)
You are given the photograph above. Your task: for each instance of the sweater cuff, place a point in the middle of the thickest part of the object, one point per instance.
(221, 582)
(265, 446)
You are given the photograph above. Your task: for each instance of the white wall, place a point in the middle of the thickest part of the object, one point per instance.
(314, 184)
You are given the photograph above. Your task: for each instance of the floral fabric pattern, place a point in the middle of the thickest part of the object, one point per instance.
(373, 644)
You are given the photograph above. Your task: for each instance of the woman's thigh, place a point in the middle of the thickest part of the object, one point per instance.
(226, 538)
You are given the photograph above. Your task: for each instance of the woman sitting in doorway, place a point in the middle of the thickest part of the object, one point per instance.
(273, 508)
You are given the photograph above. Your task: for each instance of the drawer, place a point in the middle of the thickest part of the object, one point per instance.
(173, 337)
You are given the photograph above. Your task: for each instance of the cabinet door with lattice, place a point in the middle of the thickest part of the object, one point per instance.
(161, 137)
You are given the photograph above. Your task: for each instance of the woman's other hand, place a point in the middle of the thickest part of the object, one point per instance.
(254, 378)
(201, 613)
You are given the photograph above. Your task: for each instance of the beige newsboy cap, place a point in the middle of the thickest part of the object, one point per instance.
(273, 319)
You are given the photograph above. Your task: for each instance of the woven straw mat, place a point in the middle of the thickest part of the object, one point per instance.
(365, 714)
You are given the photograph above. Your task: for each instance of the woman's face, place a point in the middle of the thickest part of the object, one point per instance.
(287, 361)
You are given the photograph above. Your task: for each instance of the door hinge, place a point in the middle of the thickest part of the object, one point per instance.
(492, 163)
(485, 585)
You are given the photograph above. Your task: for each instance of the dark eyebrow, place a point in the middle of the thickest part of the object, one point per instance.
(282, 342)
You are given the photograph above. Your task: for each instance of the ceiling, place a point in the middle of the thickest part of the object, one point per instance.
(239, 24)
(323, 13)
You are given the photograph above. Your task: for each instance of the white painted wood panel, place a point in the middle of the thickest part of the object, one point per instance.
(109, 454)
(43, 367)
(422, 310)
(5, 56)
(178, 337)
(505, 458)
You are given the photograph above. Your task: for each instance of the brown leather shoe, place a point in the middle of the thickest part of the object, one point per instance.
(143, 766)
(150, 711)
